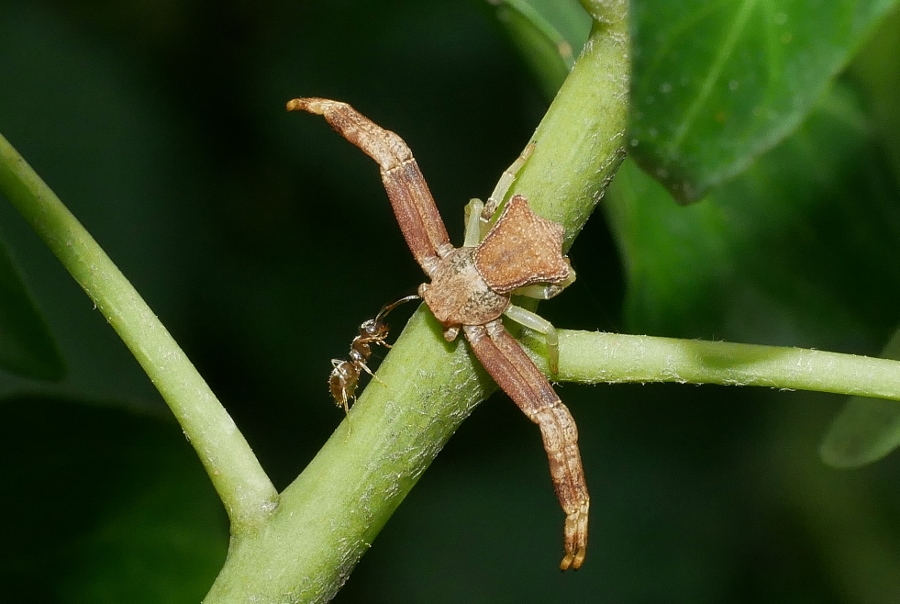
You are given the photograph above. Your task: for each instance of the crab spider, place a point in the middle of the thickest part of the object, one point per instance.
(517, 252)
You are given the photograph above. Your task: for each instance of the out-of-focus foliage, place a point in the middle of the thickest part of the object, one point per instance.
(104, 506)
(26, 346)
(795, 251)
(866, 429)
(717, 84)
(263, 240)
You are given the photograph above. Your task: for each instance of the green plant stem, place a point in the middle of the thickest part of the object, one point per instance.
(594, 357)
(581, 140)
(330, 515)
(242, 484)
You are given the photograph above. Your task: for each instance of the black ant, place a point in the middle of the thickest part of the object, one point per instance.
(344, 377)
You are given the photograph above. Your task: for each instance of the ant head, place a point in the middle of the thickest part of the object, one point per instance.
(374, 328)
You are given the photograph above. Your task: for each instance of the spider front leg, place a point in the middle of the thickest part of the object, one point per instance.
(411, 200)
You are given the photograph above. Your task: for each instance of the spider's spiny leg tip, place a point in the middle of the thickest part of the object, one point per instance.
(579, 558)
(573, 560)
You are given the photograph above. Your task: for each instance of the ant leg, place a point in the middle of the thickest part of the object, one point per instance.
(503, 185)
(365, 368)
(541, 325)
(411, 200)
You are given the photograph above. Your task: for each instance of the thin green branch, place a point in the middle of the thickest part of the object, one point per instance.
(594, 357)
(242, 484)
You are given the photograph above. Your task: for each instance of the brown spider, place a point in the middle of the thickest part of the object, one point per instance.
(470, 288)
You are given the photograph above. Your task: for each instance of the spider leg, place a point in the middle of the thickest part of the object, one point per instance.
(542, 291)
(514, 372)
(506, 180)
(474, 211)
(411, 200)
(541, 325)
(479, 213)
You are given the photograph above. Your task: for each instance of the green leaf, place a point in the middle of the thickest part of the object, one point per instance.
(716, 84)
(103, 506)
(91, 122)
(549, 34)
(877, 72)
(801, 250)
(26, 346)
(866, 429)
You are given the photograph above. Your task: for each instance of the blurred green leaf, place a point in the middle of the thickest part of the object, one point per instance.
(26, 345)
(876, 69)
(800, 250)
(110, 507)
(89, 121)
(866, 429)
(717, 84)
(549, 34)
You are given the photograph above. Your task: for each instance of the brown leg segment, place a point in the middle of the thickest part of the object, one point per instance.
(413, 204)
(517, 375)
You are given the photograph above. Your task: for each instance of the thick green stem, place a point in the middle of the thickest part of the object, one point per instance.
(581, 140)
(329, 516)
(242, 484)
